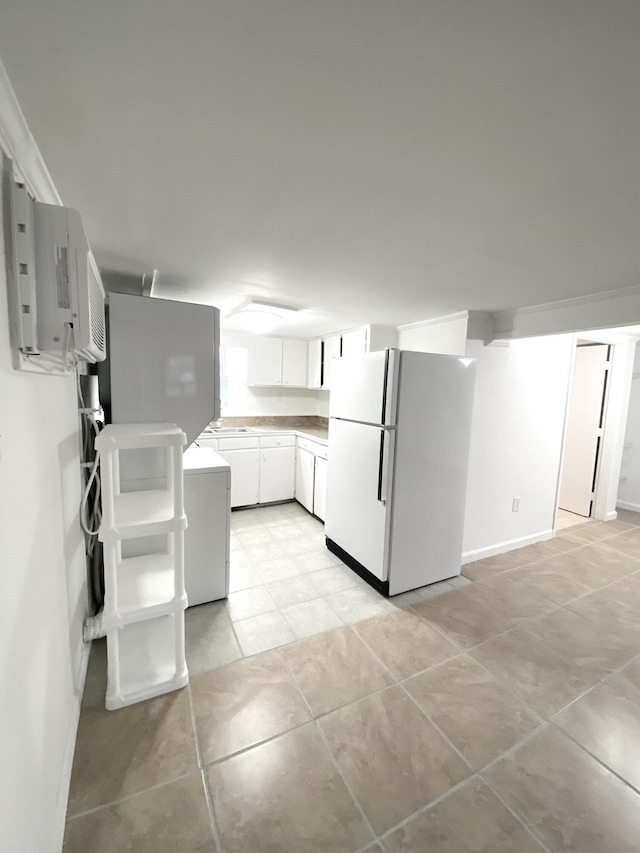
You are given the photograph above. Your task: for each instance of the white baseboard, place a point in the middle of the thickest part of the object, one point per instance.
(503, 547)
(629, 506)
(610, 516)
(82, 661)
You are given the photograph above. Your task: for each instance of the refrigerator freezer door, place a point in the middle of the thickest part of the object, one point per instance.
(356, 517)
(431, 460)
(363, 388)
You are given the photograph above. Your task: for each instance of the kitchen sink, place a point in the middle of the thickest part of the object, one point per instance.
(226, 430)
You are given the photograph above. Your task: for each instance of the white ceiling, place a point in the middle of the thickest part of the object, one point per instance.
(373, 160)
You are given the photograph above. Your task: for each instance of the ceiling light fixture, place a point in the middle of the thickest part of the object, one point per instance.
(261, 317)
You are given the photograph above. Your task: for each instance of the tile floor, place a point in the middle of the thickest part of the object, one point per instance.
(502, 716)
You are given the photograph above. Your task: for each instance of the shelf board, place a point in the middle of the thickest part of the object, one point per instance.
(142, 513)
(145, 588)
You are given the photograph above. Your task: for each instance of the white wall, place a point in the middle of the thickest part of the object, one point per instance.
(629, 491)
(445, 335)
(254, 402)
(42, 599)
(516, 443)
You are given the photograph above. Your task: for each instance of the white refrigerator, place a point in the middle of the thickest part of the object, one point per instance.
(399, 435)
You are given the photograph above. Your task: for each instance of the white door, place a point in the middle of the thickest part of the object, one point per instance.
(360, 390)
(277, 473)
(244, 475)
(584, 429)
(356, 518)
(320, 488)
(265, 361)
(304, 478)
(294, 363)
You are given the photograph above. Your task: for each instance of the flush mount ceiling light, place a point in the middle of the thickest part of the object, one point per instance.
(261, 317)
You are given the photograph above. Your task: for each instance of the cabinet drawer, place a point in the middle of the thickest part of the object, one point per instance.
(244, 442)
(277, 440)
(313, 447)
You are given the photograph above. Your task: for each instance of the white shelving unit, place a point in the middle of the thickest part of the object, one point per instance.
(145, 597)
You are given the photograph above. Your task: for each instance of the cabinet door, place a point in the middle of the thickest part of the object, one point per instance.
(245, 475)
(320, 488)
(304, 478)
(314, 364)
(294, 363)
(354, 342)
(277, 473)
(331, 351)
(265, 361)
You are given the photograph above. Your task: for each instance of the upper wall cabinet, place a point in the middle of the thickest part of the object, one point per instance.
(294, 363)
(314, 363)
(353, 342)
(277, 361)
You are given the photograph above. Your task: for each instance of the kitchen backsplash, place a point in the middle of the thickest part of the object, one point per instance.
(284, 421)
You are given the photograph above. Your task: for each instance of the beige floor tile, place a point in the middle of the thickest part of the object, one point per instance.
(285, 795)
(295, 545)
(548, 583)
(209, 637)
(358, 603)
(394, 759)
(493, 565)
(479, 716)
(95, 685)
(594, 566)
(278, 569)
(626, 590)
(293, 590)
(261, 633)
(243, 575)
(267, 551)
(314, 559)
(405, 642)
(471, 820)
(572, 802)
(580, 641)
(598, 532)
(172, 818)
(545, 681)
(606, 610)
(333, 669)
(119, 753)
(258, 535)
(628, 516)
(249, 602)
(548, 548)
(333, 579)
(508, 600)
(463, 620)
(311, 617)
(606, 721)
(631, 674)
(245, 703)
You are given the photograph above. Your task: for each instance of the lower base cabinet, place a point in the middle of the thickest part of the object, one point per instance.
(277, 474)
(245, 475)
(320, 488)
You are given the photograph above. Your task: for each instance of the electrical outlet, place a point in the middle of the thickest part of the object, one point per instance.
(515, 506)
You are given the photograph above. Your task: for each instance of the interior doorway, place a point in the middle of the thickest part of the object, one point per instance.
(584, 431)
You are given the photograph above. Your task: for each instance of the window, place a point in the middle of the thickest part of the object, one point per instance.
(233, 378)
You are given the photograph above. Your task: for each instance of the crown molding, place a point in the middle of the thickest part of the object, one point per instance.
(607, 310)
(18, 143)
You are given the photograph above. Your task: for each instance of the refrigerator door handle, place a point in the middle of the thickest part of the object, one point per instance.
(386, 437)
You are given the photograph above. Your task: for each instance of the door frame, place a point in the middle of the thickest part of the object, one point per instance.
(614, 422)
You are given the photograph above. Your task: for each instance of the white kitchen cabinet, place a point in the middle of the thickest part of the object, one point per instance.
(265, 361)
(332, 349)
(245, 474)
(305, 465)
(314, 363)
(294, 363)
(355, 342)
(277, 473)
(320, 488)
(211, 443)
